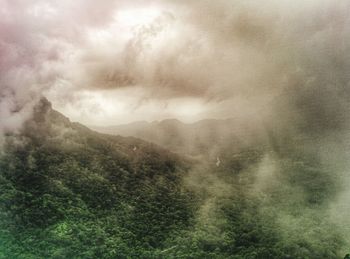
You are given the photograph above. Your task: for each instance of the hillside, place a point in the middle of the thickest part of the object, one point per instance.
(69, 192)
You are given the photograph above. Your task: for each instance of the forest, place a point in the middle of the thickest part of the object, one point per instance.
(69, 192)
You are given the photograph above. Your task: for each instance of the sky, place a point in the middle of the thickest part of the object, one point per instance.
(113, 62)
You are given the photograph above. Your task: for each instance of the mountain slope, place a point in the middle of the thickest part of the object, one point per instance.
(68, 192)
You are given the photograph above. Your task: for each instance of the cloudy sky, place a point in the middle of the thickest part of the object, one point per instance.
(111, 62)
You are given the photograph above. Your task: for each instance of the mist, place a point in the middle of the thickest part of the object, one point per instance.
(278, 69)
(228, 58)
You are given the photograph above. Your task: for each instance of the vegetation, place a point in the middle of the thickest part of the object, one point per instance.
(68, 192)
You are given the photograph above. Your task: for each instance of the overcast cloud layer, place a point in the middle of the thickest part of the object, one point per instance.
(110, 62)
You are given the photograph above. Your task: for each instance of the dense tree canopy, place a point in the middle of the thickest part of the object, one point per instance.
(68, 192)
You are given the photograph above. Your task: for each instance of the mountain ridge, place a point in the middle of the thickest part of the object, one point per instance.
(191, 139)
(69, 192)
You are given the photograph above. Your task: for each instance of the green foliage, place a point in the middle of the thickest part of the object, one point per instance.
(79, 194)
(89, 199)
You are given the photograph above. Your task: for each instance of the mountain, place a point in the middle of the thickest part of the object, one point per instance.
(204, 137)
(69, 192)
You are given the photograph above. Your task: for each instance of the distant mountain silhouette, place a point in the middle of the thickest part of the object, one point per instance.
(198, 138)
